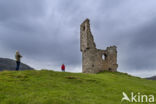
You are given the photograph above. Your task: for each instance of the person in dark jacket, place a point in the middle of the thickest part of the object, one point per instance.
(18, 60)
(63, 68)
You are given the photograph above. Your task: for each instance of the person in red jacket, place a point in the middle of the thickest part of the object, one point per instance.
(63, 68)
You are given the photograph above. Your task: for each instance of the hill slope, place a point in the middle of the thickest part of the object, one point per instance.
(49, 87)
(9, 64)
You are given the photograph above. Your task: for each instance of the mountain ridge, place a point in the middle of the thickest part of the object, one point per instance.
(152, 78)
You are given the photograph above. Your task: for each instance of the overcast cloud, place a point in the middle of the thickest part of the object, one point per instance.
(47, 32)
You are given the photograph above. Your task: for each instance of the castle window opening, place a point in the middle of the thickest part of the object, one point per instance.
(103, 57)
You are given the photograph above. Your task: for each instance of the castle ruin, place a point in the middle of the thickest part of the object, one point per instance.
(95, 60)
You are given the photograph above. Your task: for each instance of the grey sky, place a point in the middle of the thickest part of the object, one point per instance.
(47, 32)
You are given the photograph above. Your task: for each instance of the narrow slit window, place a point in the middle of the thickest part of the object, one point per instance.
(83, 28)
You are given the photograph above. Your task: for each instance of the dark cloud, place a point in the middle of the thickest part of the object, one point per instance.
(141, 47)
(48, 31)
(28, 33)
(145, 37)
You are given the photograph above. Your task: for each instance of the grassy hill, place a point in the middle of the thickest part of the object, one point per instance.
(49, 87)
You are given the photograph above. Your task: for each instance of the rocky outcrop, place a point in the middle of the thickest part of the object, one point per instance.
(9, 64)
(95, 60)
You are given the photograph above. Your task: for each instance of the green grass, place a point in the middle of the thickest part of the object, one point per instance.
(49, 87)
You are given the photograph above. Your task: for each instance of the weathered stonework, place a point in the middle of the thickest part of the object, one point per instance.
(95, 60)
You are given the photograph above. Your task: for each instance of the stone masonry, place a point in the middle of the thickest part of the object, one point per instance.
(95, 60)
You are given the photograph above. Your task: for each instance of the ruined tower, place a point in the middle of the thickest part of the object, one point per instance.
(95, 60)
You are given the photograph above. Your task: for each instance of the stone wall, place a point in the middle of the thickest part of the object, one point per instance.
(95, 60)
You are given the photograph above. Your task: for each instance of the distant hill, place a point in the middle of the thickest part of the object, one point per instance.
(152, 78)
(50, 87)
(9, 64)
